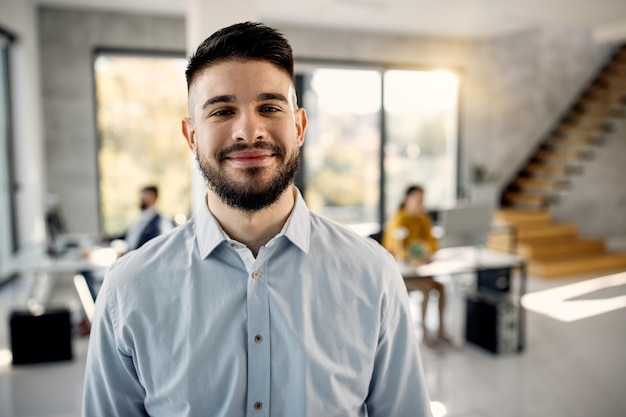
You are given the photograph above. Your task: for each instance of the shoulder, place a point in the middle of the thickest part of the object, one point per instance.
(400, 218)
(162, 253)
(337, 241)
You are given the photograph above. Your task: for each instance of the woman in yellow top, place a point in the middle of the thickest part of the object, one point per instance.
(408, 237)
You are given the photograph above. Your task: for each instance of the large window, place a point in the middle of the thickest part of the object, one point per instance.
(372, 132)
(7, 213)
(141, 101)
(342, 146)
(421, 135)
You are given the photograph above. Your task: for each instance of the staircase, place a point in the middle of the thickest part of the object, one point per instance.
(551, 249)
(565, 150)
(555, 249)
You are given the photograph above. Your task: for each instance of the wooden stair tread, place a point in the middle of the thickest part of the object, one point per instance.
(553, 231)
(594, 113)
(512, 215)
(557, 250)
(549, 169)
(526, 197)
(547, 184)
(559, 155)
(606, 100)
(533, 200)
(603, 90)
(573, 141)
(522, 218)
(577, 265)
(583, 128)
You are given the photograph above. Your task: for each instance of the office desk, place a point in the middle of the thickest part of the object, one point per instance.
(42, 268)
(460, 260)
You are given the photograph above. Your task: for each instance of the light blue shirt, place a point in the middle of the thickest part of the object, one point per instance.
(317, 325)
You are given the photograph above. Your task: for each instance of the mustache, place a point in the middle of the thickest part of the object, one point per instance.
(241, 146)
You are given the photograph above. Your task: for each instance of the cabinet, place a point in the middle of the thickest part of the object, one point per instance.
(494, 314)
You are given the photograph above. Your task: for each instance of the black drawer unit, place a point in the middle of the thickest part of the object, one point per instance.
(44, 337)
(492, 322)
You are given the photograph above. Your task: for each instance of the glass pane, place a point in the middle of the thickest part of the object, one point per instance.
(141, 101)
(421, 147)
(342, 146)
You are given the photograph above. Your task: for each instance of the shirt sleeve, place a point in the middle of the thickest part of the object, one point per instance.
(397, 387)
(112, 387)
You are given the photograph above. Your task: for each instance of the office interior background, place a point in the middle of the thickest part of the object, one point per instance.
(510, 73)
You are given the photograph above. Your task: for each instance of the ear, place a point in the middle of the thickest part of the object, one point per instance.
(189, 132)
(301, 123)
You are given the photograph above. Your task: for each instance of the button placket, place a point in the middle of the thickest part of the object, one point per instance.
(258, 342)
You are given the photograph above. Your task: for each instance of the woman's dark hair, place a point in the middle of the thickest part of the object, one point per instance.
(410, 190)
(249, 40)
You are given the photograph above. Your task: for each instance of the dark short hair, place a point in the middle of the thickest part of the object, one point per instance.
(151, 189)
(249, 40)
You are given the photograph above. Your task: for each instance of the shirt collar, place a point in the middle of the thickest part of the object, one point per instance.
(148, 213)
(297, 228)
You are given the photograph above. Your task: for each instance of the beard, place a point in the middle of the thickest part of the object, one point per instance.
(253, 193)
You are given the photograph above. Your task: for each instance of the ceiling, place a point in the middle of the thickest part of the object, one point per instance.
(458, 18)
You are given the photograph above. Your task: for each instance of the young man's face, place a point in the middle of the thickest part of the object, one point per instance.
(245, 131)
(146, 199)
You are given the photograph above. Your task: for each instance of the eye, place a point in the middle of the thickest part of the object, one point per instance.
(221, 112)
(269, 109)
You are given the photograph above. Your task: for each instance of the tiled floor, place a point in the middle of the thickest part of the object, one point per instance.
(569, 369)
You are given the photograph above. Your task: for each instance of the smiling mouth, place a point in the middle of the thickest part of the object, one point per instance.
(249, 155)
(250, 158)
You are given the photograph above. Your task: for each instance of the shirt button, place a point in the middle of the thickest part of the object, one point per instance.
(232, 245)
(256, 274)
(258, 405)
(258, 338)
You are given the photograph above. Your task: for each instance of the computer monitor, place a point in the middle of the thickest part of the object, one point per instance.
(465, 225)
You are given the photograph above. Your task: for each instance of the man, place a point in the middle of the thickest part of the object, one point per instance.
(408, 236)
(256, 307)
(150, 223)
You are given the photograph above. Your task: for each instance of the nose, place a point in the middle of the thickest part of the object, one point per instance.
(249, 127)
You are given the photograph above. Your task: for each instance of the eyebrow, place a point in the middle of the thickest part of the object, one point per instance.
(218, 99)
(227, 98)
(272, 96)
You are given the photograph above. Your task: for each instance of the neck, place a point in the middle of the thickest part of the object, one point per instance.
(253, 229)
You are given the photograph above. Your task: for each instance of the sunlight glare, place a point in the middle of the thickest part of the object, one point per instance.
(420, 91)
(558, 302)
(6, 357)
(438, 409)
(180, 218)
(344, 91)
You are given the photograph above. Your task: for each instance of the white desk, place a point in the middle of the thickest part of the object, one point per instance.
(35, 263)
(459, 260)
